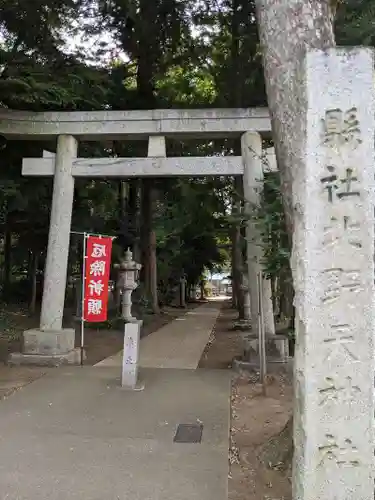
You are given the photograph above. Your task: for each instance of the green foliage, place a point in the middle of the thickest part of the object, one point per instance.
(272, 223)
(189, 223)
(160, 53)
(355, 22)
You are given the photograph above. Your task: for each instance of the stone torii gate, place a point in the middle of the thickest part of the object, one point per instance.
(51, 342)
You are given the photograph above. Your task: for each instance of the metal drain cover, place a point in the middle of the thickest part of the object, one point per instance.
(188, 433)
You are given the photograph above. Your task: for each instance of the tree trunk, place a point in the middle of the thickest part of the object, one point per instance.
(7, 260)
(34, 273)
(237, 258)
(147, 60)
(202, 290)
(153, 274)
(133, 218)
(146, 226)
(236, 101)
(287, 29)
(122, 198)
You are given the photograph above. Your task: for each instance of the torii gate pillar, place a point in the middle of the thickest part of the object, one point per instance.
(51, 344)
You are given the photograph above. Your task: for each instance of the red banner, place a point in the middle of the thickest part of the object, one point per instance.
(97, 268)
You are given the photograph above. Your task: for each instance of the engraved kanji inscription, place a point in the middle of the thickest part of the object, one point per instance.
(330, 183)
(340, 343)
(337, 281)
(340, 453)
(344, 187)
(338, 390)
(347, 185)
(130, 343)
(341, 127)
(345, 230)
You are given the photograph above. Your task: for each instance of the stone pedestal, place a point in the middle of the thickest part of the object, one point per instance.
(130, 360)
(47, 348)
(277, 348)
(333, 270)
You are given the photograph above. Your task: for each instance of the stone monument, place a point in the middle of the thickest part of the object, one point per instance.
(129, 273)
(130, 360)
(333, 266)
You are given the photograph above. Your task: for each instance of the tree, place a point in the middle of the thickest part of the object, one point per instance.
(287, 30)
(354, 22)
(166, 54)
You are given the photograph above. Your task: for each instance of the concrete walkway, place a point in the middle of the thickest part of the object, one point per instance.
(75, 434)
(178, 344)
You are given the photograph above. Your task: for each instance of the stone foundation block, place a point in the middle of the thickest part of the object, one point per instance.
(48, 342)
(277, 347)
(71, 358)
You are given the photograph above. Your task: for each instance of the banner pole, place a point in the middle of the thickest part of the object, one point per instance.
(262, 339)
(83, 296)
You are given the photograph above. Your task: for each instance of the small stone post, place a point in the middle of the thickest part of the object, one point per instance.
(129, 271)
(333, 267)
(130, 359)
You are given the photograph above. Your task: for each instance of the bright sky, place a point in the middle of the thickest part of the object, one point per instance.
(90, 45)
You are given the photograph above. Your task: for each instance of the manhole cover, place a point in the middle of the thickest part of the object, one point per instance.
(188, 433)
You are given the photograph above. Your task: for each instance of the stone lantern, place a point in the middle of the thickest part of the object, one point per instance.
(128, 282)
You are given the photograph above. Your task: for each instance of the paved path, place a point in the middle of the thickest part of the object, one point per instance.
(179, 344)
(74, 434)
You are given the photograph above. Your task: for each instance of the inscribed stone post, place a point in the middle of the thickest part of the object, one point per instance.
(130, 360)
(334, 279)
